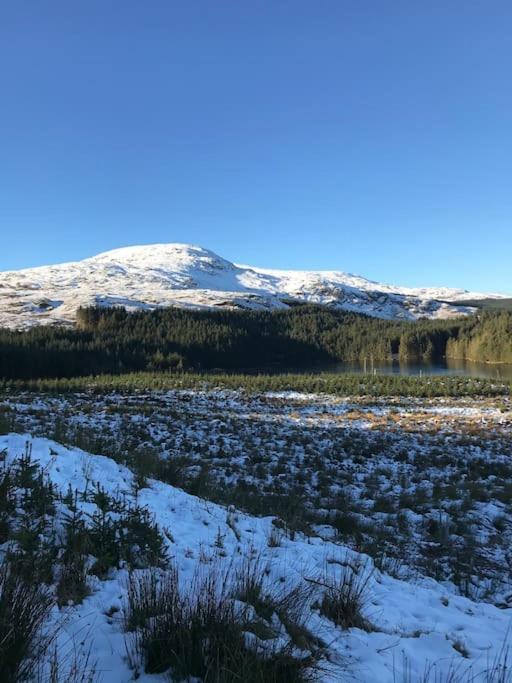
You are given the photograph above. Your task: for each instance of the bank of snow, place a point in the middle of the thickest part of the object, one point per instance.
(415, 624)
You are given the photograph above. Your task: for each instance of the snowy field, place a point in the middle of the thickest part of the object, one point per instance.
(406, 501)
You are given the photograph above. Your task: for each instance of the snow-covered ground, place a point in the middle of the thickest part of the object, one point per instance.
(423, 485)
(417, 624)
(189, 276)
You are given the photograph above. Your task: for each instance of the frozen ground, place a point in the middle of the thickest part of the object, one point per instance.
(423, 486)
(414, 623)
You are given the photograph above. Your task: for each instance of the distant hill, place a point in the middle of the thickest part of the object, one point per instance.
(502, 304)
(183, 275)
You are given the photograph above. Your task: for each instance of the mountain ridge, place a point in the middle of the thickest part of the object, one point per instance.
(186, 275)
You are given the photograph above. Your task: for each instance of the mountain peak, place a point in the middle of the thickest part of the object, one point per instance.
(187, 275)
(172, 254)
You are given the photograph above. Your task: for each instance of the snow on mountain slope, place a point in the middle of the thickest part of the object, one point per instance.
(190, 276)
(418, 626)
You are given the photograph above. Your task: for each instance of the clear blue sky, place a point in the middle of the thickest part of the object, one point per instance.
(372, 137)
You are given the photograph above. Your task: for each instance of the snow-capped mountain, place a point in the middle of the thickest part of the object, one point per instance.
(157, 275)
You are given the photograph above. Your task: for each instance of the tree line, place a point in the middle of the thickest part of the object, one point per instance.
(114, 341)
(312, 383)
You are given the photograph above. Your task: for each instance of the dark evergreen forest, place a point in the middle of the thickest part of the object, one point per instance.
(115, 341)
(486, 338)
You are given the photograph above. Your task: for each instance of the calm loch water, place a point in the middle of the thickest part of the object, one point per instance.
(448, 366)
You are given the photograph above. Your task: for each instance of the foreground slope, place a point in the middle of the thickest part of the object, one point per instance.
(185, 275)
(413, 624)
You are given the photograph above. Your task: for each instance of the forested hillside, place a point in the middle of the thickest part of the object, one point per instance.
(115, 341)
(487, 339)
(489, 304)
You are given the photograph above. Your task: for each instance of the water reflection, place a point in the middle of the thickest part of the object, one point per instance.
(449, 366)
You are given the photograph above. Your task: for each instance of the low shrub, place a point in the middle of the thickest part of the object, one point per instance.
(24, 606)
(204, 633)
(345, 597)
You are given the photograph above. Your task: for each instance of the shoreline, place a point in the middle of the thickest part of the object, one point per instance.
(482, 362)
